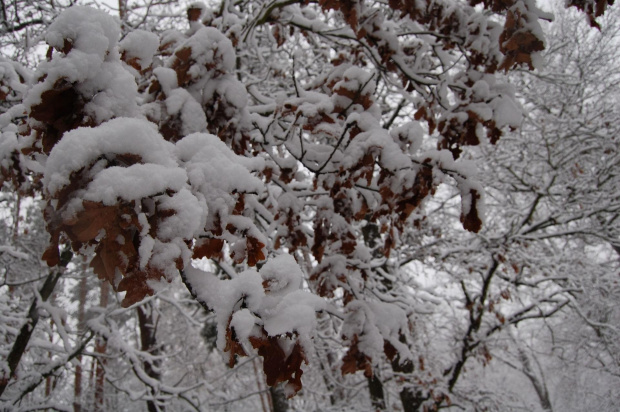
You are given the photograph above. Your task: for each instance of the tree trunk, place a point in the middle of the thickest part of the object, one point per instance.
(25, 333)
(537, 382)
(77, 383)
(49, 384)
(279, 403)
(411, 400)
(148, 340)
(100, 348)
(259, 386)
(122, 12)
(377, 397)
(334, 391)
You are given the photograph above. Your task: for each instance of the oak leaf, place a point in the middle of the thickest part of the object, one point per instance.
(277, 366)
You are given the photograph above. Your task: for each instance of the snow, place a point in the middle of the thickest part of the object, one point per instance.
(146, 249)
(8, 144)
(506, 112)
(199, 178)
(10, 78)
(13, 252)
(142, 45)
(165, 255)
(83, 146)
(411, 134)
(374, 322)
(167, 78)
(271, 297)
(133, 182)
(283, 276)
(189, 216)
(193, 118)
(169, 40)
(209, 47)
(92, 66)
(214, 170)
(90, 30)
(243, 322)
(296, 312)
(113, 92)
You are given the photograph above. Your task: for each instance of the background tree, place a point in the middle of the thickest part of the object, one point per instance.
(551, 225)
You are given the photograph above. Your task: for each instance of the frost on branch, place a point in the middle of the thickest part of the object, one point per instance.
(482, 110)
(117, 186)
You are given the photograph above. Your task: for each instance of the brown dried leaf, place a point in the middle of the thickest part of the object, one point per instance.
(255, 252)
(136, 286)
(193, 13)
(181, 65)
(60, 110)
(354, 360)
(89, 222)
(232, 346)
(277, 366)
(471, 221)
(209, 248)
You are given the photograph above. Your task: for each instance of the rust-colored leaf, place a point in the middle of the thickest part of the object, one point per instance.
(209, 248)
(193, 13)
(255, 251)
(233, 347)
(60, 110)
(354, 360)
(471, 221)
(277, 366)
(136, 288)
(389, 350)
(91, 221)
(517, 42)
(181, 65)
(592, 8)
(240, 205)
(51, 256)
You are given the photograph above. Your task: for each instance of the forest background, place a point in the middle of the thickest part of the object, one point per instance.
(413, 204)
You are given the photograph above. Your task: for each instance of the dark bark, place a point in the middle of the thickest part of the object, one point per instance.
(476, 312)
(148, 341)
(21, 26)
(100, 348)
(52, 370)
(334, 391)
(538, 383)
(77, 385)
(262, 393)
(411, 399)
(279, 402)
(377, 397)
(25, 333)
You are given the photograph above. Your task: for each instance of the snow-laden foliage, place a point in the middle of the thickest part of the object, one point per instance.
(289, 163)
